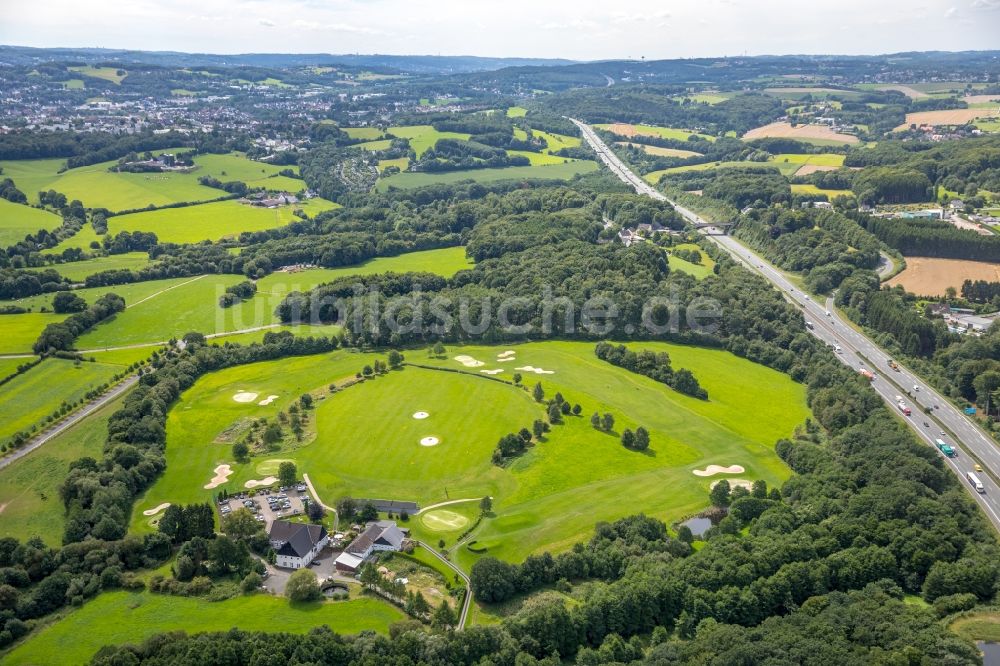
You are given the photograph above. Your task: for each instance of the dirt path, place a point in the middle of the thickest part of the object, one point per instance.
(440, 504)
(162, 343)
(315, 496)
(467, 601)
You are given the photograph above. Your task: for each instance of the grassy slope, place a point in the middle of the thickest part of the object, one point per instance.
(664, 132)
(809, 188)
(17, 221)
(30, 397)
(192, 304)
(212, 221)
(130, 617)
(423, 137)
(79, 270)
(29, 487)
(558, 171)
(548, 499)
(19, 332)
(700, 271)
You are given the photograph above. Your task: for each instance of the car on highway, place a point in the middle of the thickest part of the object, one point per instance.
(977, 467)
(837, 349)
(926, 424)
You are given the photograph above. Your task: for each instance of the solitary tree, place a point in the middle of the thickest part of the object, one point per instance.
(368, 513)
(395, 359)
(241, 525)
(555, 414)
(577, 409)
(486, 504)
(517, 377)
(641, 442)
(524, 434)
(241, 451)
(438, 349)
(302, 586)
(538, 392)
(538, 428)
(684, 534)
(608, 422)
(306, 401)
(272, 433)
(595, 420)
(287, 473)
(628, 438)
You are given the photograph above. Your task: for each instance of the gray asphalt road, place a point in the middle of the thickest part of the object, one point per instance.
(69, 422)
(857, 351)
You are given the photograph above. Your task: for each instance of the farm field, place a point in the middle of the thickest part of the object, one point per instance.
(800, 92)
(109, 74)
(79, 270)
(401, 163)
(930, 276)
(820, 135)
(410, 180)
(8, 366)
(658, 150)
(517, 112)
(710, 97)
(540, 159)
(445, 261)
(131, 617)
(785, 169)
(364, 133)
(95, 186)
(30, 397)
(949, 116)
(628, 130)
(378, 144)
(809, 188)
(700, 271)
(18, 220)
(19, 332)
(29, 487)
(557, 142)
(212, 221)
(423, 137)
(368, 441)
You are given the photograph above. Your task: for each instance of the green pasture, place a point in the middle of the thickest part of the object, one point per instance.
(401, 163)
(540, 159)
(809, 188)
(368, 444)
(516, 112)
(74, 84)
(663, 132)
(700, 271)
(8, 366)
(660, 151)
(710, 97)
(79, 270)
(212, 221)
(785, 168)
(19, 332)
(365, 133)
(557, 142)
(823, 159)
(130, 617)
(378, 144)
(109, 74)
(423, 137)
(564, 171)
(30, 397)
(29, 487)
(18, 220)
(95, 186)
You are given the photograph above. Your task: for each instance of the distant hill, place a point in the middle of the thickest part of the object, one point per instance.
(415, 64)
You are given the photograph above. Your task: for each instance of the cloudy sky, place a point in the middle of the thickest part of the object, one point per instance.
(578, 29)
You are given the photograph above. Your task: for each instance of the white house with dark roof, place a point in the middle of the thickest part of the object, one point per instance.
(296, 544)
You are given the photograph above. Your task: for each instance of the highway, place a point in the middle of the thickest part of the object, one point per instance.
(857, 351)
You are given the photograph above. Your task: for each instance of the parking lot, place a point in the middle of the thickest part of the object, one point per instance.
(268, 504)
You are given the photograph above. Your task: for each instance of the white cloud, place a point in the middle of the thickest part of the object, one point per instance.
(268, 23)
(952, 12)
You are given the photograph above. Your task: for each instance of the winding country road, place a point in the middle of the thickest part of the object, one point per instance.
(942, 420)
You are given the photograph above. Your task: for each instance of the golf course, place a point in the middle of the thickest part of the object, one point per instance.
(426, 434)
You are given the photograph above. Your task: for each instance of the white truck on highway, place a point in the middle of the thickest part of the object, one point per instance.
(976, 483)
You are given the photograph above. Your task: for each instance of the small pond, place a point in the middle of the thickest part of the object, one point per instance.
(698, 526)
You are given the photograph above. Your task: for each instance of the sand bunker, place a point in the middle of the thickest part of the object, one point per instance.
(155, 510)
(430, 441)
(222, 473)
(734, 483)
(506, 354)
(537, 371)
(245, 396)
(497, 371)
(268, 400)
(420, 416)
(468, 361)
(254, 483)
(718, 469)
(506, 360)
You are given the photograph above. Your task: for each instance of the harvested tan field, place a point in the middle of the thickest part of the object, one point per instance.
(803, 132)
(948, 117)
(662, 152)
(912, 93)
(807, 169)
(980, 99)
(623, 129)
(929, 276)
(806, 90)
